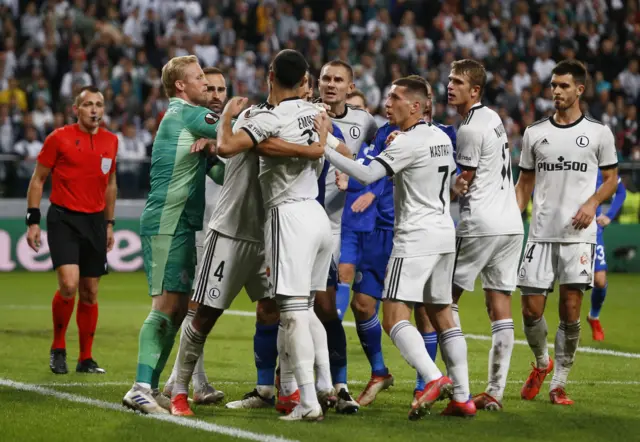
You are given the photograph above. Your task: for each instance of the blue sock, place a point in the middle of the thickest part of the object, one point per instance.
(431, 343)
(343, 294)
(597, 299)
(265, 352)
(337, 342)
(370, 334)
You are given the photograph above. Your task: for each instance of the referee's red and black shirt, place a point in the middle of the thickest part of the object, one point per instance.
(80, 164)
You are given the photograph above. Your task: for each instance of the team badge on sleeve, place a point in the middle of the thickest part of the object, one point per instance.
(211, 118)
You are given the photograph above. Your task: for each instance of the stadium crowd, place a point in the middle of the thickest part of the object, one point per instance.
(51, 48)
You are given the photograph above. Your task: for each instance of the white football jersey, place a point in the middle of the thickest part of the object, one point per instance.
(357, 126)
(421, 163)
(284, 180)
(490, 206)
(239, 212)
(565, 160)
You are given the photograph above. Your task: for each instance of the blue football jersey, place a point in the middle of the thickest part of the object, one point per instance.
(386, 214)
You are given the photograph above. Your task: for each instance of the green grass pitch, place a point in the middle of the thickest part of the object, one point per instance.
(77, 407)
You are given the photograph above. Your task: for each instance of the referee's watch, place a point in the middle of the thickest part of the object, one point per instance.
(111, 221)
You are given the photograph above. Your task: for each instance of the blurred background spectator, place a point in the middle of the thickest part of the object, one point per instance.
(51, 48)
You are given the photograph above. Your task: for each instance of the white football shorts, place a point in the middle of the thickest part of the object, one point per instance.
(228, 265)
(298, 248)
(494, 258)
(543, 263)
(420, 279)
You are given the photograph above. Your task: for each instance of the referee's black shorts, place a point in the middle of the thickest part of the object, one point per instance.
(78, 238)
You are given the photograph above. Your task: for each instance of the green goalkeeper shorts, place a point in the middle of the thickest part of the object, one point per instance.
(169, 262)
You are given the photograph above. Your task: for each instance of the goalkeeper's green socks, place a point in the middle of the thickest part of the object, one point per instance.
(157, 336)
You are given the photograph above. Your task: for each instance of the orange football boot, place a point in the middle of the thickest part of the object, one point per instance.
(180, 405)
(559, 397)
(460, 409)
(596, 329)
(531, 387)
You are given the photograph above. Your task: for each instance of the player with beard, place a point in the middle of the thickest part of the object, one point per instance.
(173, 213)
(560, 157)
(203, 392)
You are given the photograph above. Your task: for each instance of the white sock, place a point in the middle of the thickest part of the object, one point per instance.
(294, 317)
(174, 372)
(411, 345)
(288, 384)
(456, 315)
(319, 336)
(308, 396)
(199, 376)
(454, 353)
(500, 356)
(200, 379)
(566, 345)
(536, 333)
(191, 345)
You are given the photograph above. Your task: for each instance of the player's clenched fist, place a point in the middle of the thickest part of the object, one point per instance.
(460, 186)
(235, 106)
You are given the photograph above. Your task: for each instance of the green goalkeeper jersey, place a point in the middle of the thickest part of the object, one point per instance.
(176, 199)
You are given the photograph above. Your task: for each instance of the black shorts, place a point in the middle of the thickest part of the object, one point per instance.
(78, 238)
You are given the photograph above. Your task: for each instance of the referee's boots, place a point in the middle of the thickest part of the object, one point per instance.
(58, 361)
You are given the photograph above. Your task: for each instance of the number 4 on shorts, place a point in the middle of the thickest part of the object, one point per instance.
(529, 253)
(219, 271)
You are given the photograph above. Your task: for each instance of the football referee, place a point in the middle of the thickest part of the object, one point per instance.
(81, 159)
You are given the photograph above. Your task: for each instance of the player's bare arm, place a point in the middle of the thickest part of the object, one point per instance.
(276, 147)
(34, 196)
(109, 209)
(228, 143)
(524, 187)
(587, 212)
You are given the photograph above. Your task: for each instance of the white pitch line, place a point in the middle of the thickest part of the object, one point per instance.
(195, 424)
(590, 350)
(351, 382)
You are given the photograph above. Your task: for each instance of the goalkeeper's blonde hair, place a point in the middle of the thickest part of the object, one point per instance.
(174, 71)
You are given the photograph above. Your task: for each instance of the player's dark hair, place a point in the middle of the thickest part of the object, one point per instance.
(415, 86)
(341, 64)
(212, 71)
(574, 68)
(311, 81)
(358, 93)
(473, 70)
(90, 89)
(289, 68)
